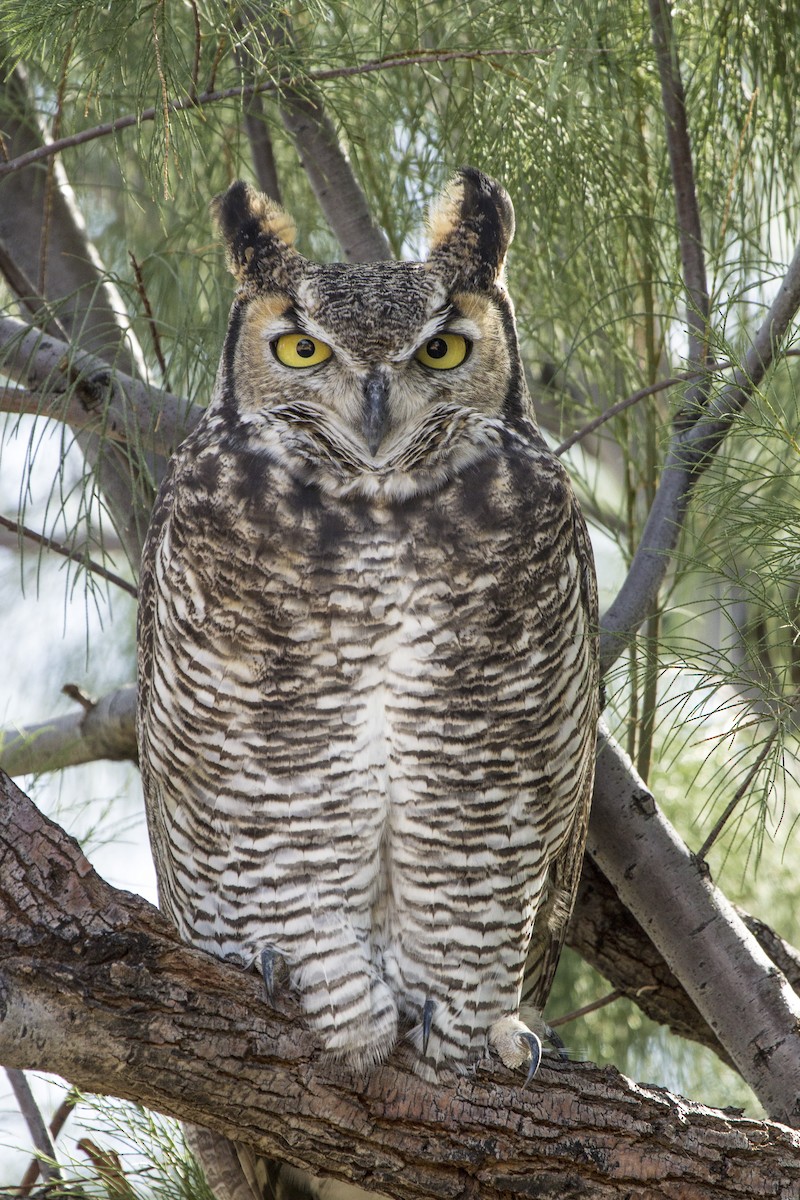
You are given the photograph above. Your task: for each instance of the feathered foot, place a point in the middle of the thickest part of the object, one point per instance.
(516, 1044)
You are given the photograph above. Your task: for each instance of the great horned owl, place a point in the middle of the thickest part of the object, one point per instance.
(367, 665)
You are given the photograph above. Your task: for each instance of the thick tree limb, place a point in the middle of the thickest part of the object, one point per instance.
(75, 387)
(107, 729)
(95, 986)
(46, 240)
(745, 1000)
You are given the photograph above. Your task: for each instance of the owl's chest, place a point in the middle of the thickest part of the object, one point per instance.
(309, 593)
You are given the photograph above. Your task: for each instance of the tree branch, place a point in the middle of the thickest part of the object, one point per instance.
(46, 240)
(87, 564)
(331, 177)
(107, 729)
(320, 151)
(92, 978)
(737, 989)
(391, 62)
(57, 1123)
(35, 1122)
(81, 390)
(609, 938)
(690, 452)
(682, 168)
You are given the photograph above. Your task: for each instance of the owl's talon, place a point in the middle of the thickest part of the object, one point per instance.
(427, 1017)
(535, 1048)
(268, 960)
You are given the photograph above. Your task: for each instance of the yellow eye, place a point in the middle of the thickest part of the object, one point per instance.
(443, 352)
(300, 350)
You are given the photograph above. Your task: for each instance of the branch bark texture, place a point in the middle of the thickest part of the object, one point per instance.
(740, 993)
(81, 390)
(95, 986)
(106, 730)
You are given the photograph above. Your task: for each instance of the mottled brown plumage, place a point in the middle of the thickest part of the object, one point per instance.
(368, 680)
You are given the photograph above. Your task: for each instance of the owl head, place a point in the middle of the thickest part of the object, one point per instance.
(374, 345)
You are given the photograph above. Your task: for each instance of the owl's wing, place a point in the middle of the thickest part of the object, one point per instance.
(147, 591)
(557, 902)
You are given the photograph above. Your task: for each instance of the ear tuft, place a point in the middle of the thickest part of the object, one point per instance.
(258, 234)
(471, 227)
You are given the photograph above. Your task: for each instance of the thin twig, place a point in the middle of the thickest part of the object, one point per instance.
(222, 42)
(49, 544)
(108, 1165)
(197, 47)
(28, 295)
(690, 451)
(165, 104)
(609, 998)
(389, 63)
(737, 796)
(629, 401)
(35, 1122)
(155, 337)
(57, 1123)
(724, 226)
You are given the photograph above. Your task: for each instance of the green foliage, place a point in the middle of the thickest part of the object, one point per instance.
(126, 1152)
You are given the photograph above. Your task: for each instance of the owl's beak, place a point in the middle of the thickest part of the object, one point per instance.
(376, 409)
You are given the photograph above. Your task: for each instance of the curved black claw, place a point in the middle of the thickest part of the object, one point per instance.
(268, 959)
(427, 1017)
(556, 1042)
(535, 1047)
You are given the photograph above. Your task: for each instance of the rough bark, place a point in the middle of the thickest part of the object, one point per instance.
(602, 929)
(95, 986)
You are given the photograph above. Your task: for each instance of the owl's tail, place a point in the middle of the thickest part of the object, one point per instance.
(348, 1005)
